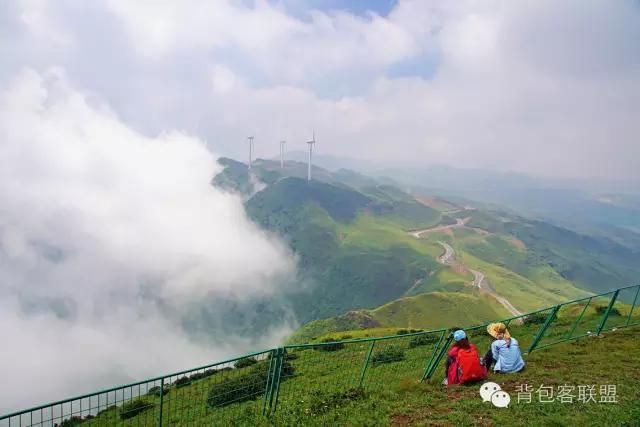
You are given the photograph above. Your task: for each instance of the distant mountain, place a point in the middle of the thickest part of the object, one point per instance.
(350, 232)
(332, 163)
(582, 206)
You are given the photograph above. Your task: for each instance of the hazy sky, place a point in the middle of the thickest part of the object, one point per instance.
(544, 87)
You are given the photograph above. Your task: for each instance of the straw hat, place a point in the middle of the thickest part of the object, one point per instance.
(496, 329)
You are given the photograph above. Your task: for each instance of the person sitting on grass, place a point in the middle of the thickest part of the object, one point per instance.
(463, 362)
(504, 351)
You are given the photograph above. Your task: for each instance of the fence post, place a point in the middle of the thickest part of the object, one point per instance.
(433, 354)
(436, 362)
(275, 388)
(267, 388)
(633, 305)
(544, 327)
(575, 325)
(161, 401)
(606, 313)
(366, 363)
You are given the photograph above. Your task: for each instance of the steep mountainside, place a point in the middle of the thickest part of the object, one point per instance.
(363, 243)
(352, 250)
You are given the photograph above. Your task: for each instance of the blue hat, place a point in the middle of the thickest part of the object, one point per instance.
(459, 335)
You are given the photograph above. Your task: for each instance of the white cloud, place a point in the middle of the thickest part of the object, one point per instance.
(279, 44)
(36, 15)
(531, 88)
(223, 79)
(97, 224)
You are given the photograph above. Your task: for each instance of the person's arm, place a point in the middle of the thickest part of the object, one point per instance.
(495, 350)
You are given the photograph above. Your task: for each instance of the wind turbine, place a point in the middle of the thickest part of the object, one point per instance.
(282, 154)
(250, 138)
(313, 141)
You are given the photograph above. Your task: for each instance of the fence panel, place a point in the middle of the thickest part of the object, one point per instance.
(125, 406)
(567, 321)
(403, 358)
(314, 371)
(230, 390)
(623, 312)
(305, 377)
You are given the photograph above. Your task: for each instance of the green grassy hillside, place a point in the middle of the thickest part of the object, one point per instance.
(353, 252)
(424, 311)
(439, 310)
(349, 232)
(323, 387)
(596, 264)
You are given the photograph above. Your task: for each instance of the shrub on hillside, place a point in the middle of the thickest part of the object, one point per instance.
(402, 332)
(72, 422)
(601, 309)
(290, 356)
(536, 318)
(287, 368)
(182, 381)
(334, 346)
(204, 374)
(108, 409)
(133, 407)
(248, 385)
(246, 362)
(425, 339)
(155, 391)
(388, 354)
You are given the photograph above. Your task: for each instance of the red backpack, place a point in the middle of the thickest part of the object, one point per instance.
(469, 367)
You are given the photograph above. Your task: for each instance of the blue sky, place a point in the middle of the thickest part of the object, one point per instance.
(359, 7)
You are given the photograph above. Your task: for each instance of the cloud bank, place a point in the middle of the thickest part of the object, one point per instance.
(107, 238)
(546, 88)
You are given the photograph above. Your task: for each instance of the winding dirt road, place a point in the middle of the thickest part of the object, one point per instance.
(459, 224)
(449, 258)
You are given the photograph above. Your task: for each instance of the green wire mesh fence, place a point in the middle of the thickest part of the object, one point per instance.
(249, 388)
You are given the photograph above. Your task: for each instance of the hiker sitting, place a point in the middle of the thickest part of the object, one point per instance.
(463, 362)
(504, 351)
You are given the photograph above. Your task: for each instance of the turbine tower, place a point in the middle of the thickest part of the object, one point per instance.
(313, 141)
(282, 154)
(250, 138)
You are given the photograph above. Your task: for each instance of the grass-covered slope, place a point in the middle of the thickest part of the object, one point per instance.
(424, 311)
(349, 232)
(596, 264)
(352, 254)
(319, 388)
(439, 310)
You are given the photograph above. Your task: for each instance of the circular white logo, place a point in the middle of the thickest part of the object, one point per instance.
(487, 389)
(492, 392)
(500, 399)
